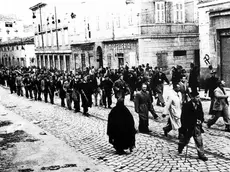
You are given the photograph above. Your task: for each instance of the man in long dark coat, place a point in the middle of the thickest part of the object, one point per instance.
(120, 128)
(86, 91)
(76, 93)
(143, 105)
(191, 125)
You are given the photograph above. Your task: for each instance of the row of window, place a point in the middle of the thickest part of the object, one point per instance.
(12, 48)
(160, 16)
(160, 12)
(51, 38)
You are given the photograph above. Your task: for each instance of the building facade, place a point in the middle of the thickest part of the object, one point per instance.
(51, 36)
(214, 28)
(161, 33)
(106, 38)
(18, 52)
(169, 33)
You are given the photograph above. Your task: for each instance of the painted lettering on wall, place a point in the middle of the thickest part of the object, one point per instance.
(207, 59)
(121, 46)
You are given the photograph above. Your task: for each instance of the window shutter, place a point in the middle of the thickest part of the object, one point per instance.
(169, 12)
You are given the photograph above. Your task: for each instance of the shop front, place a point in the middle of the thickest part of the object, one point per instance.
(121, 53)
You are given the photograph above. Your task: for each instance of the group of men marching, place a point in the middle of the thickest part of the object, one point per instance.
(183, 105)
(43, 84)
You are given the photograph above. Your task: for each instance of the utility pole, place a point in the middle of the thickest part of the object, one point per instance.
(41, 27)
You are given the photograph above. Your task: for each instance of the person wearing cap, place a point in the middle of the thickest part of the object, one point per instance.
(211, 85)
(192, 118)
(220, 106)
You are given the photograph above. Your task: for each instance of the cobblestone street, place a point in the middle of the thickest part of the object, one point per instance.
(153, 152)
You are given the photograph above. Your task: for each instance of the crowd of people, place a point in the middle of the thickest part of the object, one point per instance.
(143, 84)
(38, 84)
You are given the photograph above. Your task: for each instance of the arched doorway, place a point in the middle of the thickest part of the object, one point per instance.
(99, 56)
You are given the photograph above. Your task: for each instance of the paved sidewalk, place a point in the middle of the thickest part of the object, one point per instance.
(39, 150)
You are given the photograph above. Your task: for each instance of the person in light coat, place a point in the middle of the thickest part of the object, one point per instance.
(173, 108)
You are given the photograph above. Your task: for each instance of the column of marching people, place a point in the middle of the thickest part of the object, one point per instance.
(145, 86)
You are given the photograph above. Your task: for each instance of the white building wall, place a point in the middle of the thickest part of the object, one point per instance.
(204, 35)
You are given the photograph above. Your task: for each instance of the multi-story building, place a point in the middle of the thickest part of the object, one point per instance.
(169, 33)
(10, 27)
(51, 37)
(126, 32)
(214, 30)
(108, 37)
(161, 33)
(18, 52)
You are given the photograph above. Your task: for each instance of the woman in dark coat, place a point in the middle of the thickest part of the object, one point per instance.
(120, 129)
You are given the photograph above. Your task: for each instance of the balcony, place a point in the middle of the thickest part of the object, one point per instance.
(168, 29)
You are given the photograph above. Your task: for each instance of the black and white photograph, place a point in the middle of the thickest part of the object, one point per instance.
(114, 85)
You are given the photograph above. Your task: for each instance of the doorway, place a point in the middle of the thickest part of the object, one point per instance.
(225, 60)
(99, 56)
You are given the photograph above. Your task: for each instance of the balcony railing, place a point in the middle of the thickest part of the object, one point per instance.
(164, 29)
